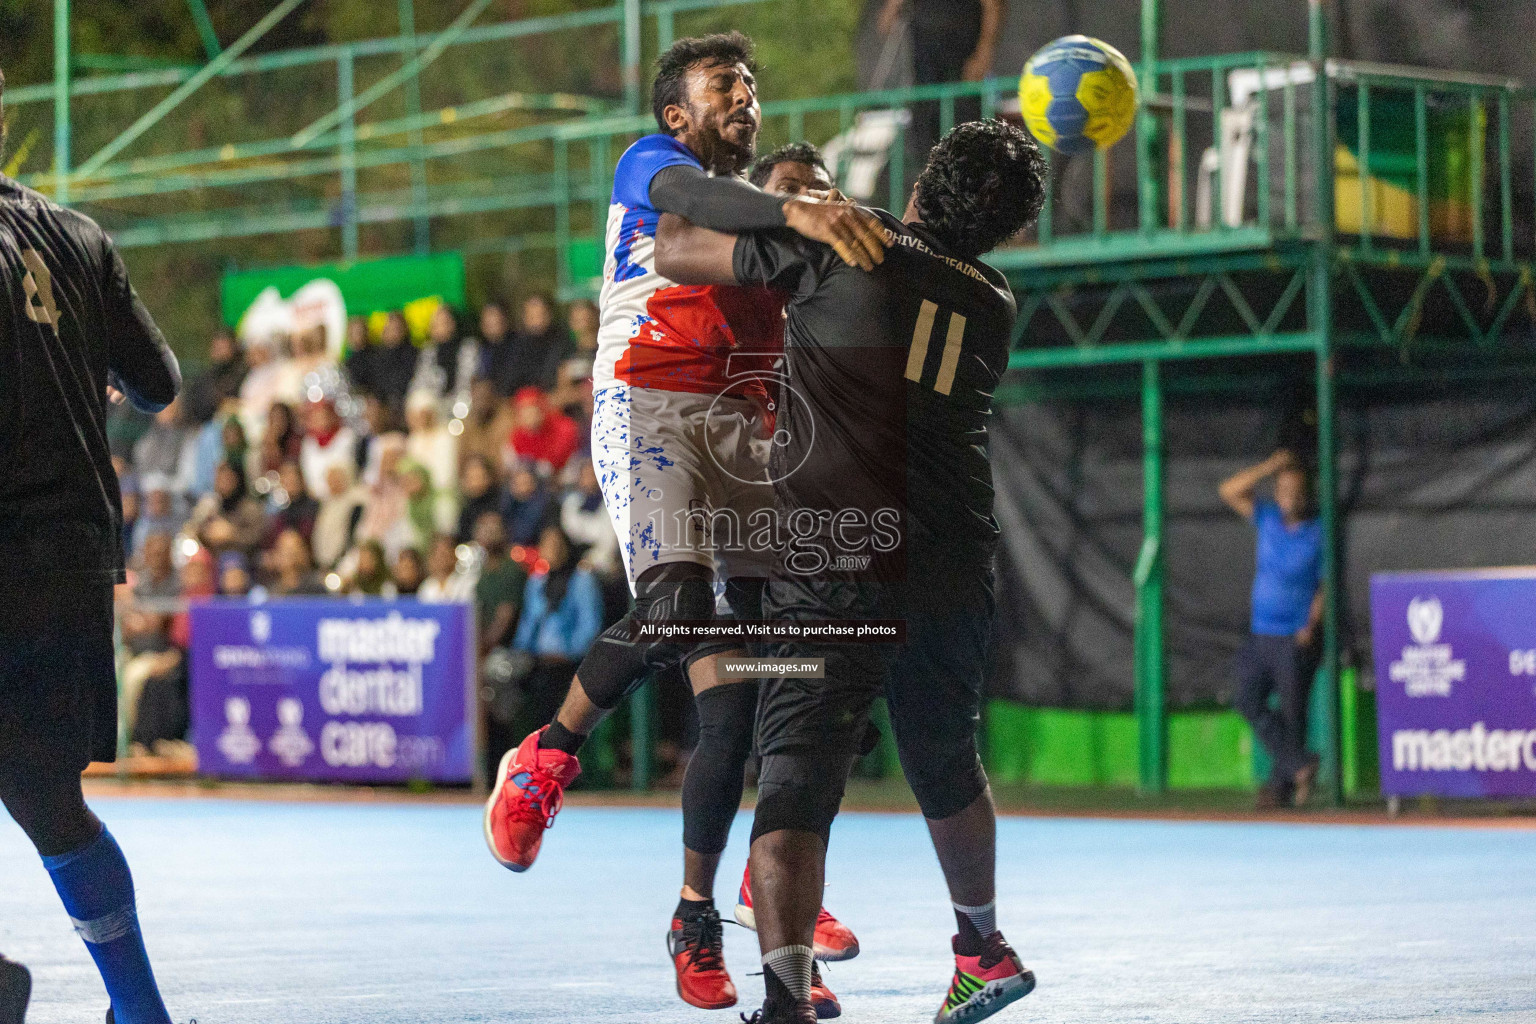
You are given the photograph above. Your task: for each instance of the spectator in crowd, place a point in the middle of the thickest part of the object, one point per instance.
(952, 41)
(575, 370)
(562, 615)
(327, 441)
(162, 512)
(311, 352)
(358, 360)
(156, 579)
(488, 424)
(219, 383)
(447, 582)
(197, 583)
(294, 566)
(433, 446)
(293, 507)
(1281, 654)
(421, 506)
(393, 363)
(542, 438)
(381, 423)
(281, 441)
(340, 513)
(128, 486)
(266, 384)
(154, 668)
(370, 576)
(449, 361)
(234, 574)
(387, 518)
(208, 451)
(497, 348)
(527, 507)
(499, 591)
(409, 572)
(587, 525)
(531, 356)
(229, 518)
(478, 495)
(167, 449)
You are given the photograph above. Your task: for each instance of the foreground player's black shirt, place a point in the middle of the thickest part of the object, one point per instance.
(888, 389)
(69, 323)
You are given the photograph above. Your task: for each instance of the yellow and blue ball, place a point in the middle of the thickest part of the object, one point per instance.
(1078, 93)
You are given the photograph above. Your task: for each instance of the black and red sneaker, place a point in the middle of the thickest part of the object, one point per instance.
(697, 947)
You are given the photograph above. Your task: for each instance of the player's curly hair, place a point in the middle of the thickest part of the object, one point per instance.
(985, 181)
(793, 153)
(672, 67)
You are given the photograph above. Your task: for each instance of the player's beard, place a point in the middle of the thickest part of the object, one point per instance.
(724, 156)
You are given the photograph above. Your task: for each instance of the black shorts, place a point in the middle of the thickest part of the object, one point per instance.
(932, 682)
(58, 678)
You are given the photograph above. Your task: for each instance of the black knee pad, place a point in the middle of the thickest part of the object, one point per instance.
(801, 789)
(713, 784)
(615, 666)
(944, 784)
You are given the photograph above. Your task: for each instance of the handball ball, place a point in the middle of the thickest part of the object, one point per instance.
(1078, 93)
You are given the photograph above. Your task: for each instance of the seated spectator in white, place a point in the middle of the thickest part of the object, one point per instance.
(340, 513)
(161, 512)
(327, 441)
(408, 573)
(542, 438)
(234, 574)
(229, 518)
(449, 361)
(478, 494)
(488, 424)
(167, 449)
(447, 581)
(585, 521)
(430, 444)
(156, 580)
(292, 507)
(369, 576)
(527, 508)
(267, 383)
(282, 442)
(386, 518)
(294, 574)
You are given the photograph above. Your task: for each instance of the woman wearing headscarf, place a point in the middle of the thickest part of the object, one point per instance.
(228, 518)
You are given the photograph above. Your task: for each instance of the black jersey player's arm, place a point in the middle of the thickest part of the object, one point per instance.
(731, 205)
(140, 364)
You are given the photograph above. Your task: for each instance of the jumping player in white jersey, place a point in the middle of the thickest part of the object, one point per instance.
(680, 439)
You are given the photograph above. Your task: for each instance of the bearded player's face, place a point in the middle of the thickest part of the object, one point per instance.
(724, 116)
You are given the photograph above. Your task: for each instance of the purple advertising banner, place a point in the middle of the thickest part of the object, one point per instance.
(1456, 682)
(326, 690)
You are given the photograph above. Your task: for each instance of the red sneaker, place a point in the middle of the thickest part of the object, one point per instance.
(697, 949)
(984, 984)
(822, 999)
(530, 789)
(834, 940)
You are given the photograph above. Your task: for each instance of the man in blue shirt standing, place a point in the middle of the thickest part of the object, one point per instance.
(1281, 655)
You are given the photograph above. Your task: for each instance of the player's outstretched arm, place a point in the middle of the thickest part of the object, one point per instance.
(689, 254)
(140, 364)
(854, 233)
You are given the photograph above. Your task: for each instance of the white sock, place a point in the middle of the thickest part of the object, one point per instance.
(792, 966)
(983, 919)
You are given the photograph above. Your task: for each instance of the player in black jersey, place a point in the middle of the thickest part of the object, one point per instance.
(885, 492)
(71, 331)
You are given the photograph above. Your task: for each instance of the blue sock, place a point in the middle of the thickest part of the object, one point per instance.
(97, 891)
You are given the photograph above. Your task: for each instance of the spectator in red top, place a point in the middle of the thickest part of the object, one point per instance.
(542, 438)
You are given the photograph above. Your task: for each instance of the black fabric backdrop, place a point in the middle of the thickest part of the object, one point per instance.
(1431, 477)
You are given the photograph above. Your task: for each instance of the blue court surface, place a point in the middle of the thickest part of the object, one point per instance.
(312, 912)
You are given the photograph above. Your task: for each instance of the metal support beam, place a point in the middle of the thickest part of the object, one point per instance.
(205, 28)
(1320, 315)
(1147, 149)
(187, 88)
(407, 16)
(1151, 704)
(632, 93)
(348, 155)
(61, 100)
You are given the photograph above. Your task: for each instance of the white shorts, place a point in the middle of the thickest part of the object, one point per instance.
(685, 478)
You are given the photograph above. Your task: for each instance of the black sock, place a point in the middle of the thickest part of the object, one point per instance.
(688, 910)
(558, 737)
(969, 942)
(778, 993)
